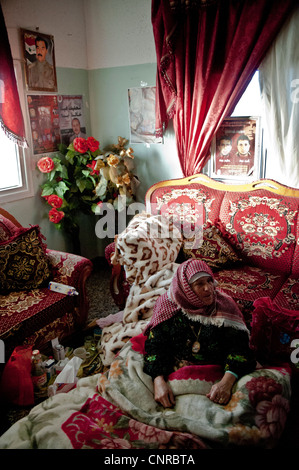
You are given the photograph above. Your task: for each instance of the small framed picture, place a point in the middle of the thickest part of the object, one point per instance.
(39, 56)
(235, 150)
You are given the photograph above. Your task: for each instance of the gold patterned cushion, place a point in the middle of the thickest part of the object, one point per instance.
(23, 262)
(214, 250)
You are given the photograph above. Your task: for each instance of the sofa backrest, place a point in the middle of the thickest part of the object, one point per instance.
(185, 198)
(8, 225)
(260, 219)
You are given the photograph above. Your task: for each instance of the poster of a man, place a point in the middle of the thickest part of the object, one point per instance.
(235, 150)
(40, 72)
(71, 118)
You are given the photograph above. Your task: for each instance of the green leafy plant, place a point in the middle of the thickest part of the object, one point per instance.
(82, 177)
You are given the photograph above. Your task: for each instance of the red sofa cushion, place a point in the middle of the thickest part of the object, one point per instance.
(214, 249)
(263, 227)
(187, 203)
(273, 330)
(247, 284)
(23, 261)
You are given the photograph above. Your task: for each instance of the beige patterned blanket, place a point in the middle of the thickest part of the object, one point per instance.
(147, 249)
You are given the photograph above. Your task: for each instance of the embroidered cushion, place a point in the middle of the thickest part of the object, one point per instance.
(191, 204)
(288, 296)
(275, 332)
(263, 227)
(23, 261)
(245, 284)
(214, 249)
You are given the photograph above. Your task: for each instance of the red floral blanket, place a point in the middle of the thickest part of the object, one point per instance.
(117, 410)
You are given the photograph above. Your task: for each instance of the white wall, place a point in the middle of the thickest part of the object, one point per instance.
(119, 33)
(63, 19)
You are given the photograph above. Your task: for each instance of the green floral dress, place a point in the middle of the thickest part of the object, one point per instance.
(179, 341)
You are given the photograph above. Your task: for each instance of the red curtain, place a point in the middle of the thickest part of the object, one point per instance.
(11, 118)
(207, 52)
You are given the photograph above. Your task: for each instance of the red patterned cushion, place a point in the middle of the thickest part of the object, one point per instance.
(263, 227)
(23, 261)
(214, 249)
(273, 330)
(247, 284)
(7, 228)
(288, 296)
(187, 204)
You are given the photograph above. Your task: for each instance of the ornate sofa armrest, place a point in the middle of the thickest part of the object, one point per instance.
(119, 287)
(72, 270)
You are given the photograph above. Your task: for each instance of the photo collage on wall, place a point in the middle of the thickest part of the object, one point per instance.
(59, 119)
(54, 119)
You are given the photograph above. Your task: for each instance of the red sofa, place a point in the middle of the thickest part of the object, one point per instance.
(30, 313)
(250, 239)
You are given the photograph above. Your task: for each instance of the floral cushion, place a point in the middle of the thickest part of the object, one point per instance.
(192, 203)
(214, 249)
(273, 330)
(263, 227)
(23, 261)
(247, 284)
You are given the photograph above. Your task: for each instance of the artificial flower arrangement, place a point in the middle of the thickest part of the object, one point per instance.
(83, 177)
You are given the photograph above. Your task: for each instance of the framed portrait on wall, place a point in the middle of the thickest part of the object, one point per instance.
(39, 57)
(236, 150)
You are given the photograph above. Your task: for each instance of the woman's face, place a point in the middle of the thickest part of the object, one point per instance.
(204, 289)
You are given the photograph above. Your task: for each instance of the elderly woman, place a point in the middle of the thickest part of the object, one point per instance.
(196, 323)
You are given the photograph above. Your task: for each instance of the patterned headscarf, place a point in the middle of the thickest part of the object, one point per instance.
(180, 296)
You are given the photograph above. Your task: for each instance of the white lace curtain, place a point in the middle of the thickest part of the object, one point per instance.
(279, 81)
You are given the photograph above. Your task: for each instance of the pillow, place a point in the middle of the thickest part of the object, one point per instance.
(23, 262)
(273, 330)
(214, 250)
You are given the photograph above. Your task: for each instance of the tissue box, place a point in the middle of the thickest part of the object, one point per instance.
(62, 288)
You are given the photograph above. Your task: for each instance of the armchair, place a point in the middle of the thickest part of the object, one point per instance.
(30, 313)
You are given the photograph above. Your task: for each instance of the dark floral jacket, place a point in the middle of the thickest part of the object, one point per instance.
(169, 347)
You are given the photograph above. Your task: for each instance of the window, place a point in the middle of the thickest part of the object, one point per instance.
(15, 175)
(250, 103)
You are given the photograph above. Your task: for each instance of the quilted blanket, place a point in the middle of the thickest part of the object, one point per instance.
(116, 410)
(147, 249)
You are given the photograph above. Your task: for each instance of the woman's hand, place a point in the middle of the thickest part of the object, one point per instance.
(163, 393)
(221, 391)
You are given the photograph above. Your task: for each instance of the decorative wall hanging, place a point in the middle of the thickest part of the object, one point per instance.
(142, 115)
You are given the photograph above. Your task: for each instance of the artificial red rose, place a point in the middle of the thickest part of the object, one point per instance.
(55, 216)
(93, 165)
(80, 145)
(93, 144)
(45, 165)
(55, 201)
